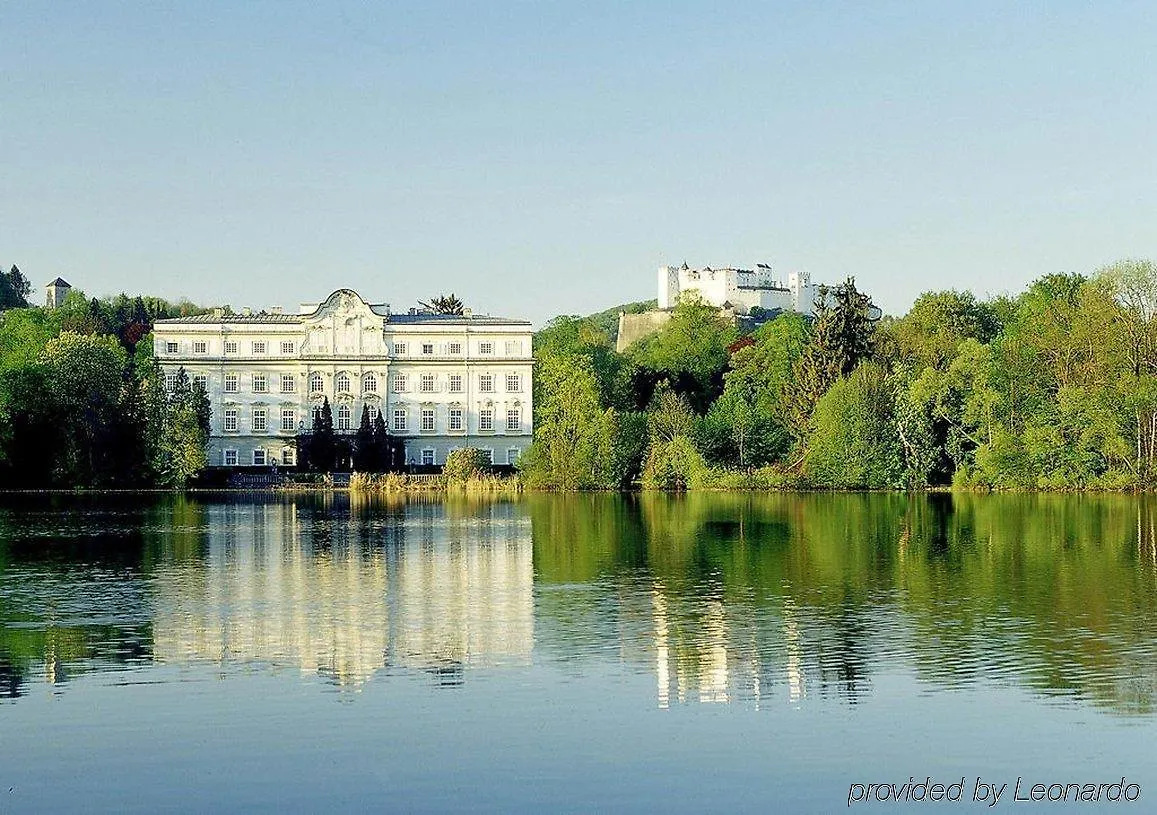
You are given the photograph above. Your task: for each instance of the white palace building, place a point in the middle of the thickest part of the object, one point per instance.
(441, 381)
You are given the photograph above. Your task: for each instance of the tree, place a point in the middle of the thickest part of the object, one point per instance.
(321, 445)
(84, 378)
(573, 432)
(1133, 284)
(689, 352)
(581, 337)
(673, 462)
(448, 304)
(14, 289)
(366, 458)
(854, 442)
(929, 334)
(746, 422)
(841, 337)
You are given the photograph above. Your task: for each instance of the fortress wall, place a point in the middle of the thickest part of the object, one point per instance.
(633, 327)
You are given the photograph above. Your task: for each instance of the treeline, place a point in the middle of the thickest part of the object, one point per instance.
(83, 403)
(1053, 389)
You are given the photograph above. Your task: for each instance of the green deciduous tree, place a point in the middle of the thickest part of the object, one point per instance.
(689, 352)
(854, 442)
(573, 431)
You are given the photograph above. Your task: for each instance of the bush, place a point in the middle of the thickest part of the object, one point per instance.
(466, 463)
(674, 465)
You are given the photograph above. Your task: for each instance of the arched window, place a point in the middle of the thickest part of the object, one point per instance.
(341, 383)
(316, 383)
(369, 383)
(343, 417)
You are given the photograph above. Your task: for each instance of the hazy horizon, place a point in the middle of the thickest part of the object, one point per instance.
(544, 160)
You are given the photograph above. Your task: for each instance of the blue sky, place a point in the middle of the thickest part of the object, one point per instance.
(546, 158)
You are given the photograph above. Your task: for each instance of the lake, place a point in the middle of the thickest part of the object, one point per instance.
(573, 653)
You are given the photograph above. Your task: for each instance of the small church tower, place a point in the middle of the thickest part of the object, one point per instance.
(55, 292)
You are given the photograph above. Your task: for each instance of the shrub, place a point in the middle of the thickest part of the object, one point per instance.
(466, 463)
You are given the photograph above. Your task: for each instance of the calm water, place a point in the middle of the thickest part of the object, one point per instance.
(590, 653)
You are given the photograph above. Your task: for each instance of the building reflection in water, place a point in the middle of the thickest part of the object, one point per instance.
(766, 600)
(343, 592)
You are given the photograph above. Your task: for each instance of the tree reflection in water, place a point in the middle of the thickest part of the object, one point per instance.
(756, 599)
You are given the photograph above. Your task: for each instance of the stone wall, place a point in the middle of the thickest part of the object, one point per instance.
(633, 327)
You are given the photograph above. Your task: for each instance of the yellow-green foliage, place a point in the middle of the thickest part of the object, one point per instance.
(465, 463)
(673, 465)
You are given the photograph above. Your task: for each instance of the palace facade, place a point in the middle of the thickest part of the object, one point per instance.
(440, 381)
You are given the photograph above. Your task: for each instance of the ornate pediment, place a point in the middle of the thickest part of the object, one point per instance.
(344, 325)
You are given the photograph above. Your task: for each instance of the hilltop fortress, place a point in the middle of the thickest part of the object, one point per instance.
(741, 292)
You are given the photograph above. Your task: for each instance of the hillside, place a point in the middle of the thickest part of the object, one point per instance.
(608, 320)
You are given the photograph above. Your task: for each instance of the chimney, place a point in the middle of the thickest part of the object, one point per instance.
(275, 310)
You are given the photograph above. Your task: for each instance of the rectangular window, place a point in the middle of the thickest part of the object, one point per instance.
(486, 348)
(455, 383)
(287, 347)
(427, 457)
(230, 383)
(259, 459)
(512, 456)
(231, 422)
(230, 458)
(427, 348)
(288, 420)
(487, 454)
(170, 381)
(399, 349)
(170, 347)
(400, 420)
(230, 347)
(259, 347)
(288, 383)
(202, 380)
(455, 419)
(289, 456)
(454, 348)
(200, 347)
(486, 419)
(513, 348)
(486, 383)
(399, 383)
(260, 383)
(260, 420)
(427, 383)
(513, 383)
(513, 420)
(427, 420)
